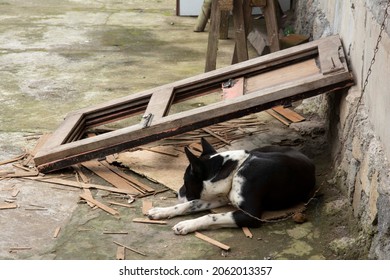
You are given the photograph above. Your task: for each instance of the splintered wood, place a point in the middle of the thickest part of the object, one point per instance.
(99, 204)
(219, 135)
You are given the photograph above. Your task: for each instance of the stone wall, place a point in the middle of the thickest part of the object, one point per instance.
(359, 130)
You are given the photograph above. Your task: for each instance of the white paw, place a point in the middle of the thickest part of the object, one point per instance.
(158, 213)
(184, 227)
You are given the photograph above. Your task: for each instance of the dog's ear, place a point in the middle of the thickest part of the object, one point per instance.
(207, 149)
(195, 163)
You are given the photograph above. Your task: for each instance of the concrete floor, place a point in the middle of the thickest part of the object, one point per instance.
(58, 56)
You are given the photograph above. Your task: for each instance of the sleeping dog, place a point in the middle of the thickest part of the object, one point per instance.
(268, 178)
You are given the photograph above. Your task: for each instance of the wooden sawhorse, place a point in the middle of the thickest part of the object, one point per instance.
(242, 10)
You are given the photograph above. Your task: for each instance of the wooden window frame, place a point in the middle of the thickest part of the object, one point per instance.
(66, 146)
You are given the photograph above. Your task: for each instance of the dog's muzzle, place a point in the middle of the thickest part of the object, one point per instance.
(181, 196)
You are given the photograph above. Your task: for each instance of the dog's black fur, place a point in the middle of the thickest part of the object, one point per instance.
(268, 178)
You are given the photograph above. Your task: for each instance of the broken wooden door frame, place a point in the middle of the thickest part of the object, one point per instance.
(67, 147)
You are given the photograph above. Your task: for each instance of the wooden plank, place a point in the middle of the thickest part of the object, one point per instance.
(100, 205)
(4, 206)
(129, 248)
(105, 173)
(247, 232)
(212, 133)
(115, 232)
(53, 158)
(146, 206)
(212, 241)
(23, 174)
(120, 253)
(147, 221)
(288, 114)
(79, 185)
(278, 117)
(121, 204)
(141, 187)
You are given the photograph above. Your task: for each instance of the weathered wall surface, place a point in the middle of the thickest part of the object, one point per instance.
(359, 129)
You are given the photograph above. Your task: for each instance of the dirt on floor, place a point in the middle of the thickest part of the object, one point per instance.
(59, 56)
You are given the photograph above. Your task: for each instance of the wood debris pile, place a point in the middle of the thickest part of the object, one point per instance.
(122, 186)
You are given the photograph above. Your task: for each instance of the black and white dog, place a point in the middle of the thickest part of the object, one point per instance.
(269, 178)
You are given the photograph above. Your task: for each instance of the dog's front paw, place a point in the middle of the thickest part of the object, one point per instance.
(159, 213)
(184, 227)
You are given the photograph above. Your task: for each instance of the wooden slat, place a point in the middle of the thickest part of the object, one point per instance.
(120, 253)
(212, 241)
(159, 103)
(282, 75)
(247, 232)
(143, 188)
(8, 206)
(278, 117)
(147, 221)
(146, 206)
(99, 204)
(79, 185)
(105, 173)
(288, 114)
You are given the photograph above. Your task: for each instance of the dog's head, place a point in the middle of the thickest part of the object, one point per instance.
(199, 169)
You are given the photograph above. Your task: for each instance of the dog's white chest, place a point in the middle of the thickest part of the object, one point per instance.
(222, 188)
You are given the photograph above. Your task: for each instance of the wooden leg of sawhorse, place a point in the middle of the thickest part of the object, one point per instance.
(271, 22)
(212, 46)
(241, 21)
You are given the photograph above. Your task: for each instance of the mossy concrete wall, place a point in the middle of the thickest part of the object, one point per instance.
(359, 131)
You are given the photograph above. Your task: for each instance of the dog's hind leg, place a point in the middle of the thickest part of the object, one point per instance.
(211, 221)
